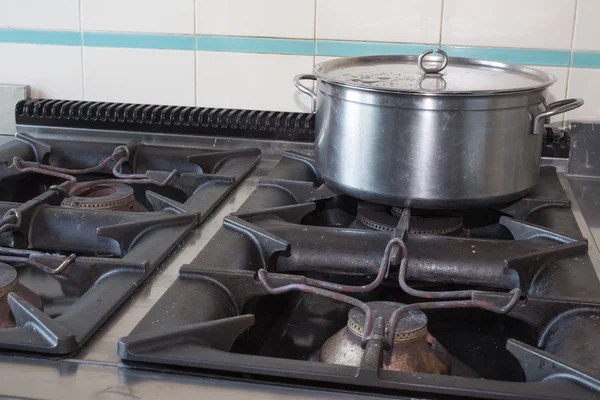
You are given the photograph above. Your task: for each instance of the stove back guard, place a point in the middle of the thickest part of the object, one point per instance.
(255, 124)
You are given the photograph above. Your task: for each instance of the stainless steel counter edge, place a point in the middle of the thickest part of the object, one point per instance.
(9, 96)
(59, 380)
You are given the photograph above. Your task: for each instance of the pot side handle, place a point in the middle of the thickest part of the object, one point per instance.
(558, 107)
(308, 91)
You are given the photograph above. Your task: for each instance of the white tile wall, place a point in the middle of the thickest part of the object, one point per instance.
(154, 16)
(544, 24)
(40, 14)
(270, 18)
(412, 21)
(139, 75)
(52, 71)
(587, 29)
(241, 80)
(584, 83)
(251, 80)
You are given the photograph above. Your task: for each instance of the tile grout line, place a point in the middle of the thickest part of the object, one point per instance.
(81, 50)
(195, 57)
(571, 56)
(315, 36)
(441, 23)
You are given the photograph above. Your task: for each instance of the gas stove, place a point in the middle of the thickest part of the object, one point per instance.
(287, 282)
(285, 279)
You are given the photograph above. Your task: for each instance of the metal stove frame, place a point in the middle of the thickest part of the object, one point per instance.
(97, 370)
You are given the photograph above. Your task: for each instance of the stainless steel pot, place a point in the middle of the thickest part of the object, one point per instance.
(396, 130)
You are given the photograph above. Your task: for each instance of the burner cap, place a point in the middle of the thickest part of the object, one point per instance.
(9, 283)
(114, 197)
(411, 325)
(383, 218)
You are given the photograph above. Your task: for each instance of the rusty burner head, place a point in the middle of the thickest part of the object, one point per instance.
(380, 217)
(9, 283)
(414, 349)
(113, 197)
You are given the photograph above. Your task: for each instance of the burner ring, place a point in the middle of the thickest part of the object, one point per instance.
(113, 197)
(381, 218)
(374, 225)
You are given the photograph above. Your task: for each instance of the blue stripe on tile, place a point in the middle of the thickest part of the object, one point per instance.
(139, 40)
(585, 59)
(33, 36)
(254, 45)
(518, 56)
(348, 48)
(581, 59)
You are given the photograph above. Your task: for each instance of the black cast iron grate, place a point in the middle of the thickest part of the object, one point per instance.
(293, 226)
(115, 250)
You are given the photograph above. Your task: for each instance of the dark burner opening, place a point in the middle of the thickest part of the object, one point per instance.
(296, 325)
(99, 191)
(348, 212)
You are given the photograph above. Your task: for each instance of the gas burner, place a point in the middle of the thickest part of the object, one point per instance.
(413, 350)
(113, 197)
(9, 283)
(384, 218)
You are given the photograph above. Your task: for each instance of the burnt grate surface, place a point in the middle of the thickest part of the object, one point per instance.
(85, 262)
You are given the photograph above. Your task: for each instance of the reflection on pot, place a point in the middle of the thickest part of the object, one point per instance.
(432, 82)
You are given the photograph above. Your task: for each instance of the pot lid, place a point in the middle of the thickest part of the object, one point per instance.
(432, 74)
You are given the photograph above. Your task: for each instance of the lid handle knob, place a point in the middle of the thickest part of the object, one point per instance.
(436, 69)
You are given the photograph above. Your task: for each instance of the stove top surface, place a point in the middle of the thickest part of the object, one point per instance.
(272, 287)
